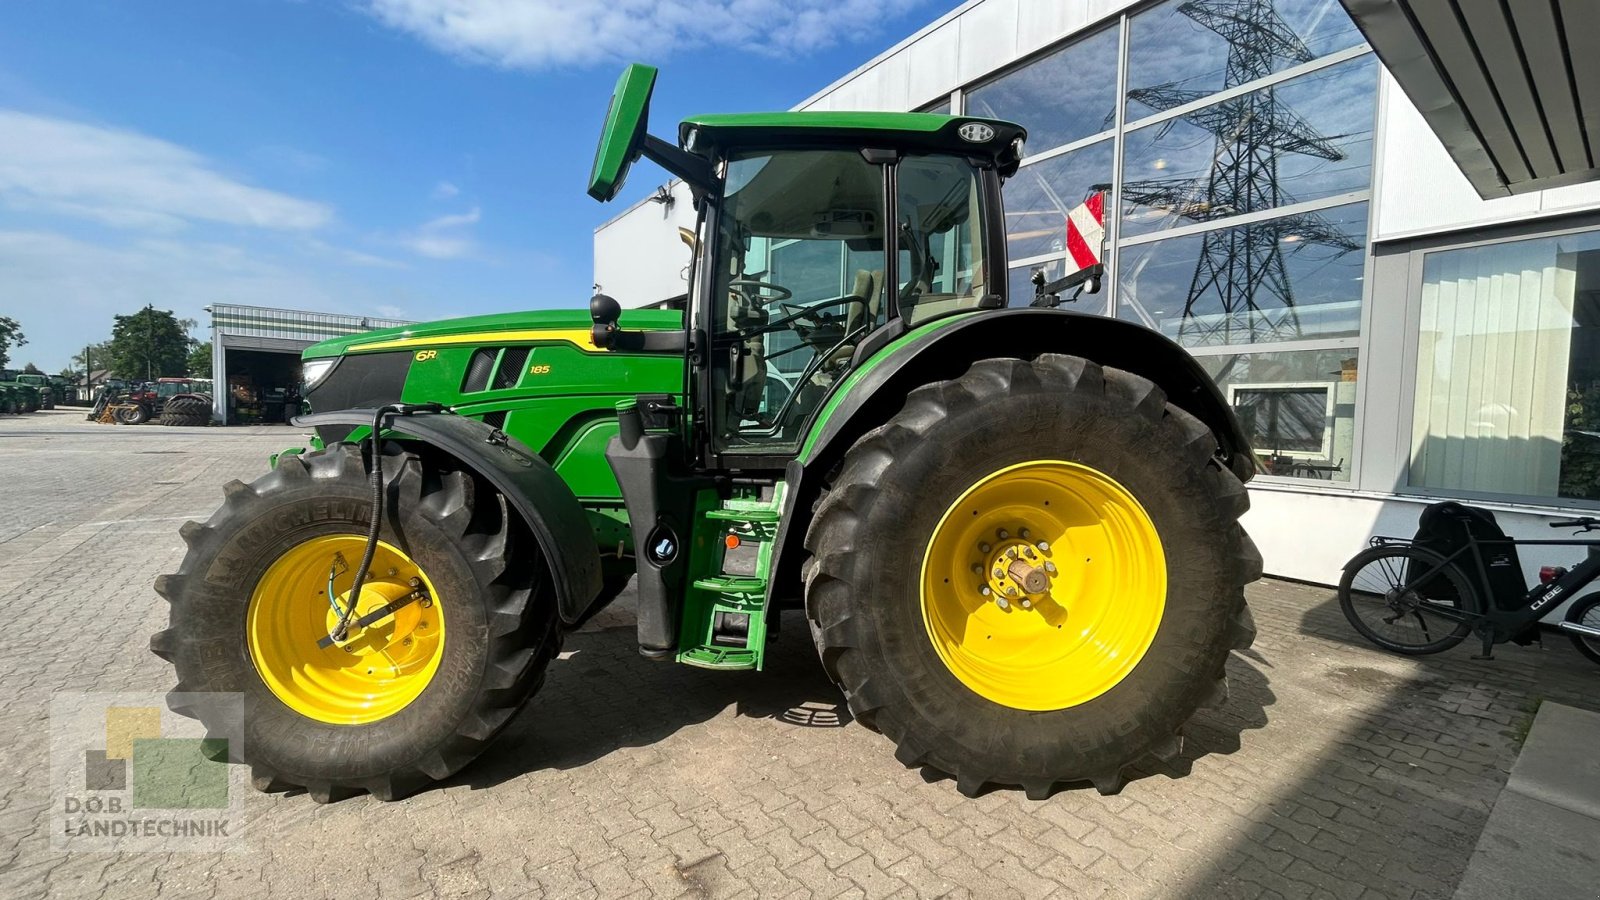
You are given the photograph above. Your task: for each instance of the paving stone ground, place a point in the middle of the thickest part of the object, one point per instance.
(1335, 770)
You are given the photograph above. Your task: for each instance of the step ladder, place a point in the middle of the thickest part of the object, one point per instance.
(724, 622)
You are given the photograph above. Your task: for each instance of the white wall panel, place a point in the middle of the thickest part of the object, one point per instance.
(638, 256)
(1344, 524)
(1042, 22)
(988, 38)
(1419, 189)
(933, 63)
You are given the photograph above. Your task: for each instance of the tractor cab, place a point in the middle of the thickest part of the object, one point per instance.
(820, 238)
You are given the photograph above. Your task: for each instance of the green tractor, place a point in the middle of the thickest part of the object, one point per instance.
(41, 384)
(25, 396)
(1013, 532)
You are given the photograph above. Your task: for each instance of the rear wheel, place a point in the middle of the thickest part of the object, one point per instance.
(1407, 599)
(1054, 581)
(134, 414)
(411, 697)
(1586, 611)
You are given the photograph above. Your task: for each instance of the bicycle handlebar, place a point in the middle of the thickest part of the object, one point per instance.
(1587, 523)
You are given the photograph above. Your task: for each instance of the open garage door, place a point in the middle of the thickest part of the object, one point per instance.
(258, 380)
(1511, 88)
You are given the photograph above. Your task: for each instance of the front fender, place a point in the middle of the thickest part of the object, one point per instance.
(530, 485)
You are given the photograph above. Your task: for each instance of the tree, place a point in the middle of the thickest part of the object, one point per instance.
(10, 336)
(93, 357)
(200, 360)
(31, 369)
(152, 343)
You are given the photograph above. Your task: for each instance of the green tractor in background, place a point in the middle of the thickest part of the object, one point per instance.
(26, 397)
(1013, 531)
(41, 383)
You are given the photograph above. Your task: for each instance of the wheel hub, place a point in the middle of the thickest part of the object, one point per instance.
(379, 669)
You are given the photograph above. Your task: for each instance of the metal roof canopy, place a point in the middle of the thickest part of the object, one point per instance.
(1499, 83)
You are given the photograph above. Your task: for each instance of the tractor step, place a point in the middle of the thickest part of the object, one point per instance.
(733, 584)
(764, 516)
(724, 616)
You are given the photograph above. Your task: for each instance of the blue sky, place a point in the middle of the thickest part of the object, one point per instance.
(414, 158)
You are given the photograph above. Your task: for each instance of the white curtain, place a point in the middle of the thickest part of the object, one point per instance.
(1492, 368)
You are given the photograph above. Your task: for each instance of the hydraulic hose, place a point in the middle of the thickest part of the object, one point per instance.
(341, 630)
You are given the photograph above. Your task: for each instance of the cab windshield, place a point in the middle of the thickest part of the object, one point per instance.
(801, 276)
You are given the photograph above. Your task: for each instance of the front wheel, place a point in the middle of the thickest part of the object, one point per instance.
(1032, 575)
(1586, 611)
(1407, 599)
(455, 624)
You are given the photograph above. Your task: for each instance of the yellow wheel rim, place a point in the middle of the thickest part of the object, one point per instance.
(1043, 585)
(378, 669)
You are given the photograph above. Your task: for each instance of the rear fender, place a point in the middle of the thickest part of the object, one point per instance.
(943, 349)
(530, 485)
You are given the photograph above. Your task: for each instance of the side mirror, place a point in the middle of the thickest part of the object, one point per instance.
(604, 312)
(623, 137)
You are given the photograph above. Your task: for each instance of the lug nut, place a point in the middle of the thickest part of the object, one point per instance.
(982, 547)
(1001, 602)
(984, 590)
(999, 574)
(1026, 603)
(1050, 567)
(977, 569)
(1044, 546)
(1011, 592)
(1002, 534)
(1023, 533)
(393, 571)
(1029, 552)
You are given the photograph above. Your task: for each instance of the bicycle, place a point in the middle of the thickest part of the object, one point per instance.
(1426, 594)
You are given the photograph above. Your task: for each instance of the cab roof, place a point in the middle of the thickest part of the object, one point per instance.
(991, 138)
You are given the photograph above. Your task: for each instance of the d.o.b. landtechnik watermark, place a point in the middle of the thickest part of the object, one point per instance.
(129, 774)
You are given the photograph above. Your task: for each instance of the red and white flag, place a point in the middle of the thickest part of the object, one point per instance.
(1086, 231)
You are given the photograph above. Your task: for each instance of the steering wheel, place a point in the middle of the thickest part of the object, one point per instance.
(756, 291)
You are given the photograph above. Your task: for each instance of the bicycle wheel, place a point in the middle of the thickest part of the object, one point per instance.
(1407, 599)
(1586, 611)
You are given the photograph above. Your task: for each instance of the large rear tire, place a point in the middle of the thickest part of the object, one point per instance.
(1146, 557)
(406, 701)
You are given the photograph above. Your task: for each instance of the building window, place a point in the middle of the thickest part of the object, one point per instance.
(1297, 407)
(1291, 278)
(1183, 50)
(1508, 370)
(1308, 138)
(1067, 96)
(1041, 194)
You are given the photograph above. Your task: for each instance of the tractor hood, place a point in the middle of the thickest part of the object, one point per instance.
(497, 327)
(491, 362)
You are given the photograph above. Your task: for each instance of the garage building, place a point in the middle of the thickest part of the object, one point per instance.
(255, 355)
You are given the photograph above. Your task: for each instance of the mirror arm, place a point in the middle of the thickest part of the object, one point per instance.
(695, 172)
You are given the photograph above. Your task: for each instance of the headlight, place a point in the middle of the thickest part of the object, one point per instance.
(312, 371)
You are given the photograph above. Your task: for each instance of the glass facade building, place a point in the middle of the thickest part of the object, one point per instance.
(1276, 205)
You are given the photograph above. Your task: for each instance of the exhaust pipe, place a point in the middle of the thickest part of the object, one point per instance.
(1575, 628)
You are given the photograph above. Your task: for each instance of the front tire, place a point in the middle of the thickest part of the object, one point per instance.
(389, 711)
(896, 604)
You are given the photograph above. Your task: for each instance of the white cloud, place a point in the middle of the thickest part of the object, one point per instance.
(532, 34)
(444, 190)
(128, 180)
(447, 237)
